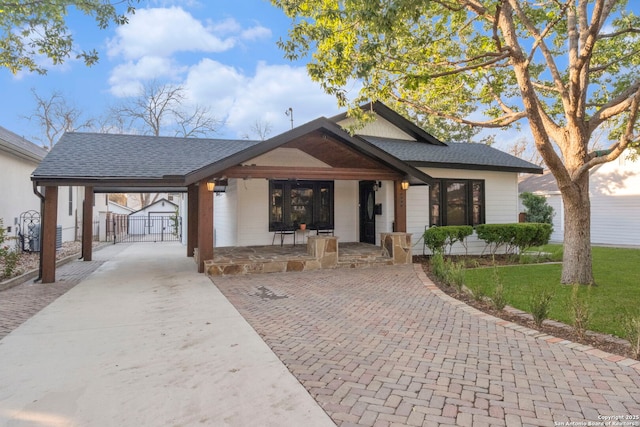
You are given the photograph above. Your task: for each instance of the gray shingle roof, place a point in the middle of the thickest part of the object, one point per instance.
(19, 145)
(101, 155)
(545, 183)
(453, 155)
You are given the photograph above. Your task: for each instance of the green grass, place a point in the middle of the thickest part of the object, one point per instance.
(616, 296)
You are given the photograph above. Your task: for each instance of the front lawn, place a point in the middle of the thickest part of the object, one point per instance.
(615, 297)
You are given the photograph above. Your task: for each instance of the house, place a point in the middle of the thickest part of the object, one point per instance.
(18, 158)
(20, 207)
(614, 189)
(158, 220)
(391, 176)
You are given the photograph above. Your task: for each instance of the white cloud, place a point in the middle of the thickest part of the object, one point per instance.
(265, 96)
(126, 79)
(152, 47)
(163, 32)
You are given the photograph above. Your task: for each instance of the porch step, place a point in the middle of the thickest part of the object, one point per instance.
(358, 261)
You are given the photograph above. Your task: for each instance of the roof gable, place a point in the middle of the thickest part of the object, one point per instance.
(404, 125)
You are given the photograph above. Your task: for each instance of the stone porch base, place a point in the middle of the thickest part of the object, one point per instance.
(319, 252)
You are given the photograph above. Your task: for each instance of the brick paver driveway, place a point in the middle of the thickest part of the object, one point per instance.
(380, 347)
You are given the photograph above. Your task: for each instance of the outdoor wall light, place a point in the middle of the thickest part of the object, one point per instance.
(211, 185)
(377, 185)
(404, 184)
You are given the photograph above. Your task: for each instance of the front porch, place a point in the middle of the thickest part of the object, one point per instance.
(319, 252)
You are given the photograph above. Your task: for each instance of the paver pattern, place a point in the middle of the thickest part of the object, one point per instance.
(384, 347)
(21, 302)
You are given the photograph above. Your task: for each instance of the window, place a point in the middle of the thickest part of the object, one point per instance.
(295, 202)
(70, 201)
(456, 202)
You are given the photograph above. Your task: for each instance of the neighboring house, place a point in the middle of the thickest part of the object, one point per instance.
(116, 208)
(615, 202)
(389, 176)
(18, 159)
(158, 218)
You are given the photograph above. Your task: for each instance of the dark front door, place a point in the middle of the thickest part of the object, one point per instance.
(367, 212)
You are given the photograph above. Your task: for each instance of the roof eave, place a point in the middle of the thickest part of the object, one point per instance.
(494, 168)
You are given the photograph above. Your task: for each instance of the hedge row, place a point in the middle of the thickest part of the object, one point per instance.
(515, 238)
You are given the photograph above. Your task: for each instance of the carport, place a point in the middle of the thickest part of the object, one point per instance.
(109, 163)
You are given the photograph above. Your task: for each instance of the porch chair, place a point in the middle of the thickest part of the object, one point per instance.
(325, 229)
(279, 229)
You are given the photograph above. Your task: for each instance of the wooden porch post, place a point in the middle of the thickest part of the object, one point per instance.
(400, 207)
(192, 218)
(87, 224)
(205, 224)
(48, 234)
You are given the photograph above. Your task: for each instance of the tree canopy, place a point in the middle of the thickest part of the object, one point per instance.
(565, 67)
(30, 29)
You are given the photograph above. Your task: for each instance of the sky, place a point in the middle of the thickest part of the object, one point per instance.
(223, 53)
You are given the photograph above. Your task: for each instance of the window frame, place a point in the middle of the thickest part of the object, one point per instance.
(440, 202)
(286, 203)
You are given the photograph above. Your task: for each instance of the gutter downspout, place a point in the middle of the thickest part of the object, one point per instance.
(41, 197)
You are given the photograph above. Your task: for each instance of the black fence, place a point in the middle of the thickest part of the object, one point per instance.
(157, 228)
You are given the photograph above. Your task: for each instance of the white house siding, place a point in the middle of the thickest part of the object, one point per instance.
(345, 211)
(615, 203)
(555, 201)
(16, 190)
(242, 219)
(417, 215)
(225, 220)
(501, 200)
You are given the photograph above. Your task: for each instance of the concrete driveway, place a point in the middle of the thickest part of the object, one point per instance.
(385, 347)
(145, 341)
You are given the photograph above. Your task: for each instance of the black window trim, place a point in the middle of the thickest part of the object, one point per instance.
(287, 185)
(442, 202)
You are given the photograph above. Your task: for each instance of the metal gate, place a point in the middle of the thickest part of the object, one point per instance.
(156, 228)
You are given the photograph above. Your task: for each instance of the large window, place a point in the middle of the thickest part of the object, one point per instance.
(456, 202)
(295, 202)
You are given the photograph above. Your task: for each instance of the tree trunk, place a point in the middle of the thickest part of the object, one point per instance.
(576, 265)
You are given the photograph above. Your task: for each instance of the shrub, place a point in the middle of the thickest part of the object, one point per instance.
(581, 313)
(438, 267)
(8, 256)
(537, 208)
(455, 274)
(516, 237)
(540, 304)
(437, 238)
(498, 299)
(632, 334)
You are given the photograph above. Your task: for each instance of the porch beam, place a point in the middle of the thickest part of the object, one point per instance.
(205, 224)
(48, 234)
(278, 172)
(87, 224)
(400, 207)
(192, 219)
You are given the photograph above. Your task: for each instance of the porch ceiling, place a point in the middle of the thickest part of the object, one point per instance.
(344, 163)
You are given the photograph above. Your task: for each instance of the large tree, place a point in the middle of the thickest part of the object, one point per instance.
(29, 29)
(565, 67)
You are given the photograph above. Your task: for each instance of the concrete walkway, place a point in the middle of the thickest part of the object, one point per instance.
(385, 347)
(145, 341)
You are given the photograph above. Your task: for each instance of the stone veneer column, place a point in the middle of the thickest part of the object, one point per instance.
(324, 249)
(397, 246)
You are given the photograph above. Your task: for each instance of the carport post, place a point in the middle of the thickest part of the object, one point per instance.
(205, 224)
(87, 224)
(48, 234)
(192, 218)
